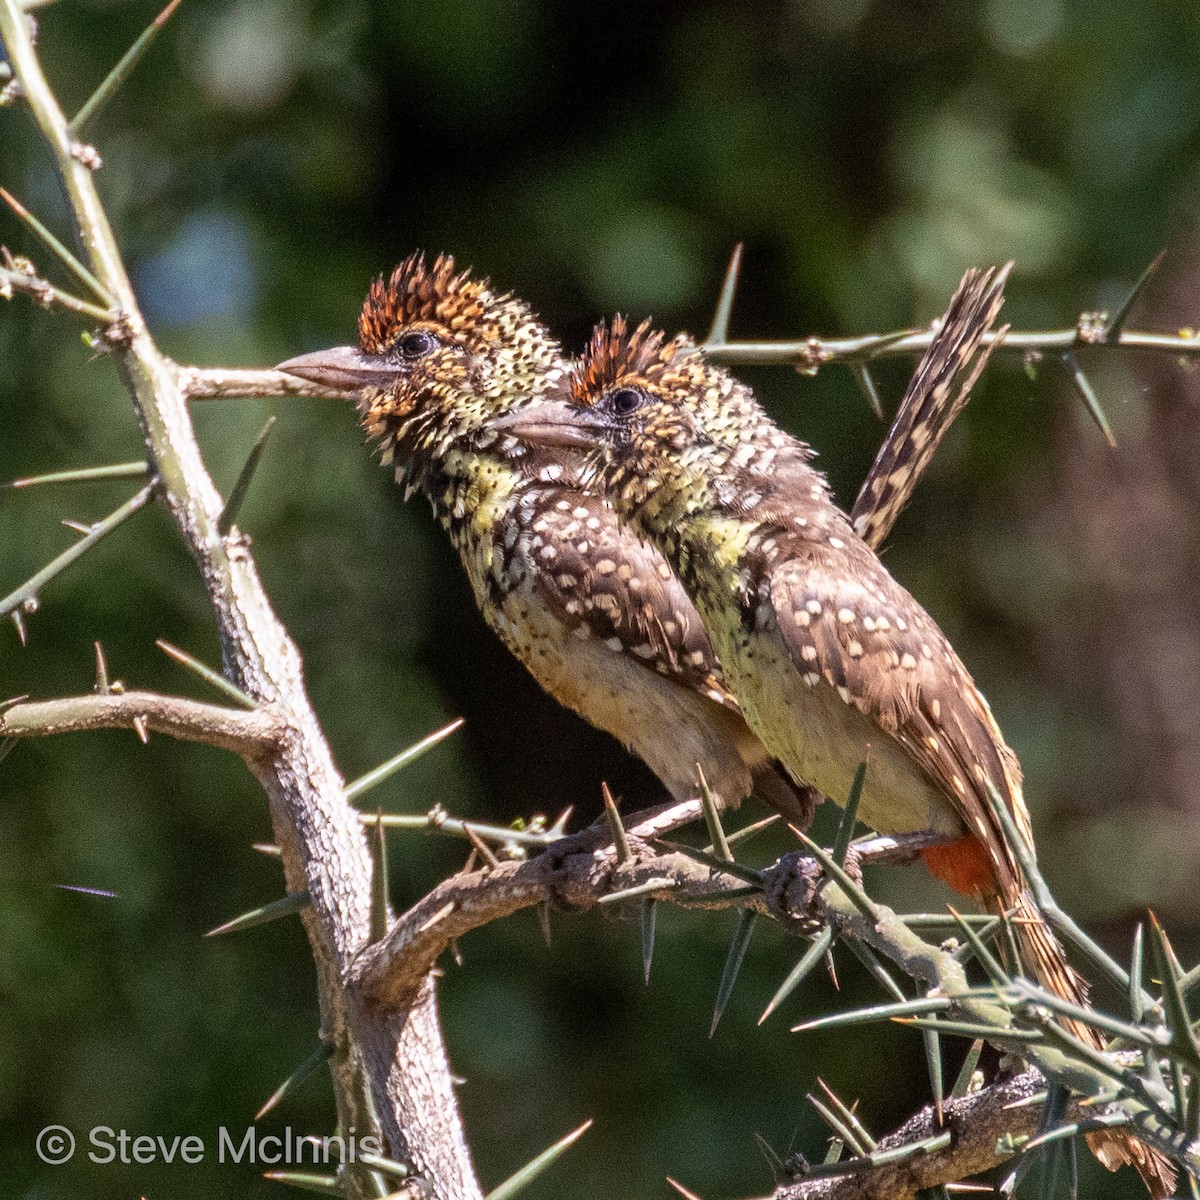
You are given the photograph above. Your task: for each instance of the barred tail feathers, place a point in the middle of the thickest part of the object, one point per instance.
(1042, 953)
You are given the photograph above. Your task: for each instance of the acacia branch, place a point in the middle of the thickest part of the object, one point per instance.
(255, 736)
(578, 873)
(46, 295)
(977, 1123)
(809, 355)
(585, 871)
(224, 383)
(393, 1071)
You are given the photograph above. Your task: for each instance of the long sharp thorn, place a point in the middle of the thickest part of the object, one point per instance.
(749, 831)
(18, 620)
(237, 497)
(866, 956)
(481, 847)
(733, 964)
(849, 816)
(326, 1185)
(560, 826)
(1052, 1114)
(712, 817)
(973, 1029)
(117, 76)
(140, 728)
(987, 960)
(101, 687)
(296, 1078)
(1136, 964)
(921, 1006)
(27, 594)
(684, 1192)
(64, 255)
(962, 1084)
(294, 902)
(1112, 331)
(862, 376)
(718, 334)
(389, 1166)
(372, 778)
(543, 911)
(616, 827)
(211, 677)
(651, 886)
(1183, 1041)
(7, 745)
(839, 1127)
(933, 1063)
(778, 1170)
(380, 886)
(531, 1170)
(1088, 396)
(649, 920)
(266, 848)
(725, 866)
(808, 960)
(847, 1113)
(130, 470)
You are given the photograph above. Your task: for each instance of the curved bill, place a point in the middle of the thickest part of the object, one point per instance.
(555, 423)
(344, 370)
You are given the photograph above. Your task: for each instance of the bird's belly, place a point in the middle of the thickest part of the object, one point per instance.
(822, 740)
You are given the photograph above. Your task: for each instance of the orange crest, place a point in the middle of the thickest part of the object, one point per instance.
(420, 294)
(618, 354)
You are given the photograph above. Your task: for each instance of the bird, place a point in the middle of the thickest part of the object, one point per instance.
(593, 612)
(833, 662)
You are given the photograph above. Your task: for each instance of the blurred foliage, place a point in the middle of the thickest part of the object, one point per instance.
(260, 166)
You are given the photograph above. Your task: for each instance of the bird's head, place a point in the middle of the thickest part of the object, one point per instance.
(440, 354)
(670, 431)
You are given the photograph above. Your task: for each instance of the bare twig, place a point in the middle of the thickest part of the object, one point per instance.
(390, 1071)
(47, 295)
(219, 383)
(253, 735)
(810, 354)
(979, 1122)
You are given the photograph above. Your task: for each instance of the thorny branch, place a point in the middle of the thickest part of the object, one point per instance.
(255, 736)
(377, 1002)
(979, 1124)
(393, 1070)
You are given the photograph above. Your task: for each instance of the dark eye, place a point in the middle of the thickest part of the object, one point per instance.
(626, 401)
(416, 344)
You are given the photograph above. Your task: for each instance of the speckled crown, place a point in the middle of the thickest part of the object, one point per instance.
(417, 292)
(631, 356)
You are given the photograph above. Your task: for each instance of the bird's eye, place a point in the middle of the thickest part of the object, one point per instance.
(626, 401)
(417, 344)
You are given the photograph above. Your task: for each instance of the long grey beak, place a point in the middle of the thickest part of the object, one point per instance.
(555, 423)
(344, 370)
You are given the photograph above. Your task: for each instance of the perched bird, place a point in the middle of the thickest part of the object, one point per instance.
(831, 659)
(595, 614)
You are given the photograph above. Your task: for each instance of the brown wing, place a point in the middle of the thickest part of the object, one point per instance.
(596, 576)
(935, 396)
(843, 618)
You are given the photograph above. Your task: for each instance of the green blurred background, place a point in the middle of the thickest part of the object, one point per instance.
(266, 160)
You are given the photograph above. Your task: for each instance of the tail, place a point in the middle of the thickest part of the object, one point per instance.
(931, 402)
(1042, 954)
